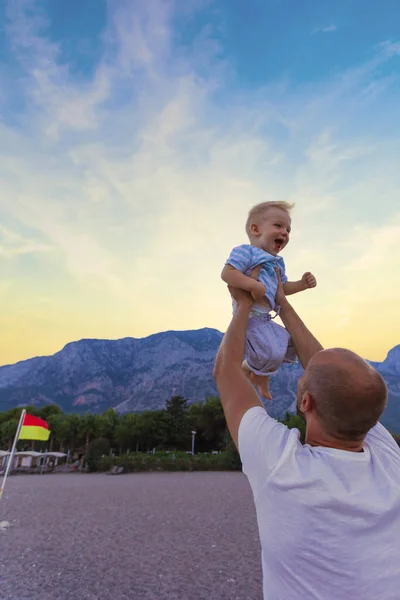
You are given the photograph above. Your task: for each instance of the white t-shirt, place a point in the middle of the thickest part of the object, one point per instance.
(328, 519)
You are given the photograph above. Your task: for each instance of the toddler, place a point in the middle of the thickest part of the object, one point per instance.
(252, 268)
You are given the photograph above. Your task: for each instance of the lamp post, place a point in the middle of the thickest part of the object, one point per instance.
(193, 435)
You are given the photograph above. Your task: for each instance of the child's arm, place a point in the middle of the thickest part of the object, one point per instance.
(293, 287)
(236, 279)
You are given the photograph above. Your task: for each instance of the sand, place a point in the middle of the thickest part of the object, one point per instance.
(147, 536)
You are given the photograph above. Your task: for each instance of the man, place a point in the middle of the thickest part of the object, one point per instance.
(328, 512)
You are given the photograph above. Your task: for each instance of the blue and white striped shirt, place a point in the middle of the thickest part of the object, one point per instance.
(245, 258)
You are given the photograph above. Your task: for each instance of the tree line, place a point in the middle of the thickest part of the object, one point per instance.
(166, 429)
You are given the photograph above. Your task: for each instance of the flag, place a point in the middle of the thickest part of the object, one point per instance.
(34, 428)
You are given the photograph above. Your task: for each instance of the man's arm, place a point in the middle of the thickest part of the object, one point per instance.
(305, 343)
(236, 392)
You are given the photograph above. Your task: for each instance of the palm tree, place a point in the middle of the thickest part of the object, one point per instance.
(73, 426)
(89, 425)
(8, 429)
(58, 425)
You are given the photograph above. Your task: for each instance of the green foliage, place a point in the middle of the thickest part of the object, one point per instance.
(107, 424)
(296, 421)
(128, 432)
(208, 420)
(177, 407)
(167, 429)
(50, 410)
(95, 451)
(132, 436)
(175, 422)
(179, 461)
(8, 430)
(59, 428)
(88, 428)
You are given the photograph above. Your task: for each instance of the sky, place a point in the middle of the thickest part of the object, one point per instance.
(135, 136)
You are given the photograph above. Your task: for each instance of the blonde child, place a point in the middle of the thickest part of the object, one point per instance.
(252, 268)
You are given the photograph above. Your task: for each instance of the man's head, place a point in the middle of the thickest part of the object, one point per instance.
(268, 226)
(340, 396)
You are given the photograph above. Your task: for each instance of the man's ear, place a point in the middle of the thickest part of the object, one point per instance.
(307, 403)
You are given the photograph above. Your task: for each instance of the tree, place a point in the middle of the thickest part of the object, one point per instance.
(95, 451)
(176, 410)
(8, 429)
(177, 407)
(88, 430)
(51, 409)
(73, 427)
(153, 429)
(208, 419)
(58, 425)
(15, 413)
(127, 432)
(107, 424)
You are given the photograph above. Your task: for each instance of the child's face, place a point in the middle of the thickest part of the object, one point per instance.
(272, 232)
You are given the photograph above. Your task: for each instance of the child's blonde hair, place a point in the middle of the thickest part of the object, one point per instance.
(257, 212)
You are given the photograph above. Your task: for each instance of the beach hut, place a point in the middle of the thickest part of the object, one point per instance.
(27, 459)
(52, 458)
(4, 454)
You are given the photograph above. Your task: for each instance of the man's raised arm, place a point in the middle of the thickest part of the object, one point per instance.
(305, 343)
(235, 390)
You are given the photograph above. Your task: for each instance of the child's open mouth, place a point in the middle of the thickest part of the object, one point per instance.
(278, 244)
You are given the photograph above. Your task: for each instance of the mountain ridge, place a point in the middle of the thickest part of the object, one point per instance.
(136, 374)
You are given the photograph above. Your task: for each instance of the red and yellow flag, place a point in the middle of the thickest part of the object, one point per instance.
(34, 428)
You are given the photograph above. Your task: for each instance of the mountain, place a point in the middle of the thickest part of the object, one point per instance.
(390, 371)
(132, 375)
(128, 374)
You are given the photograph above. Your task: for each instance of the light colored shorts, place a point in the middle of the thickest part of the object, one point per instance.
(268, 344)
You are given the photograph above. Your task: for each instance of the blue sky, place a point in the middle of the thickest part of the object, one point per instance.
(135, 136)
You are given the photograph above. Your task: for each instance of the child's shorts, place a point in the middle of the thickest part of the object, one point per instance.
(268, 345)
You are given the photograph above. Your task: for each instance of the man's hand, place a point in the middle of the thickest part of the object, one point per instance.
(280, 296)
(242, 297)
(258, 290)
(309, 280)
(305, 343)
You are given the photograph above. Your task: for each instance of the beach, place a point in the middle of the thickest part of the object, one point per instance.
(146, 536)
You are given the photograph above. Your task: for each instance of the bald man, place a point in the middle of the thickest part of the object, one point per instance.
(328, 511)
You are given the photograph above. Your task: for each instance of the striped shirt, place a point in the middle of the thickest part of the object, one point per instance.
(245, 258)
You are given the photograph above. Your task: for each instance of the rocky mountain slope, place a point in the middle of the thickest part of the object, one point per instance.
(132, 375)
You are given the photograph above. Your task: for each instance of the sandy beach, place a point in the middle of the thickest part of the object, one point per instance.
(150, 536)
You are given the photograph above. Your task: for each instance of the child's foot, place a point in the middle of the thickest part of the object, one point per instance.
(262, 384)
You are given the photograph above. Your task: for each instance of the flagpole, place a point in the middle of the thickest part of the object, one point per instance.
(11, 457)
(43, 463)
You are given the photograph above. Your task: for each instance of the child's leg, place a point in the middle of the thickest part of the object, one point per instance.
(260, 381)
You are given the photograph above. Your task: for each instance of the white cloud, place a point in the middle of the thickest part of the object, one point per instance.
(371, 246)
(390, 48)
(145, 192)
(327, 29)
(13, 244)
(62, 103)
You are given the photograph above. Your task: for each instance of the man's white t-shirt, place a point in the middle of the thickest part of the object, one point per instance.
(328, 519)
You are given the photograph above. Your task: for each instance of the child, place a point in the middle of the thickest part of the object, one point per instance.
(252, 268)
